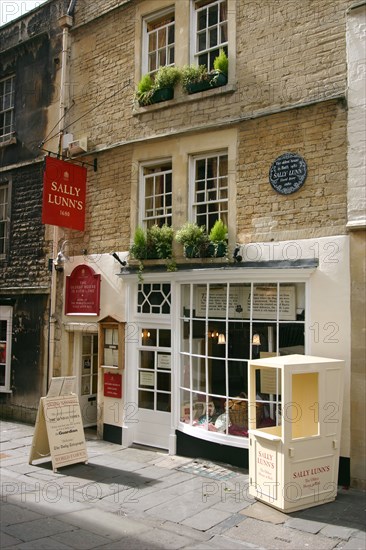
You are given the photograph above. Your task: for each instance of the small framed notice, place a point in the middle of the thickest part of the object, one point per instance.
(164, 361)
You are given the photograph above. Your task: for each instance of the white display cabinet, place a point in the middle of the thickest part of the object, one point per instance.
(294, 458)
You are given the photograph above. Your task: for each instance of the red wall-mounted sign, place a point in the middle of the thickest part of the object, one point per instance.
(112, 385)
(82, 292)
(64, 192)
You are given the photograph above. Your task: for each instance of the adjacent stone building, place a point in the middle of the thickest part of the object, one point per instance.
(30, 58)
(163, 359)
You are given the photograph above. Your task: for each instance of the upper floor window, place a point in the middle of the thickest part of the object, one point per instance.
(157, 195)
(7, 108)
(159, 42)
(209, 189)
(210, 31)
(4, 218)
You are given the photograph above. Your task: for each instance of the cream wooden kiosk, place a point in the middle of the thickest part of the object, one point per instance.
(293, 459)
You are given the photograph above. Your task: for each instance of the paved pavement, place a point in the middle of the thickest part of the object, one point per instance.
(138, 498)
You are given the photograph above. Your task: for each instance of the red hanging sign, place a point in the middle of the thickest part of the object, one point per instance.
(64, 192)
(82, 292)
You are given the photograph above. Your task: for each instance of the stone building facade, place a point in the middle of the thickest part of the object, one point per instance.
(29, 68)
(285, 93)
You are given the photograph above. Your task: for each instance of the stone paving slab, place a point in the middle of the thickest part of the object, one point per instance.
(221, 542)
(206, 519)
(231, 505)
(154, 539)
(183, 507)
(306, 525)
(337, 532)
(220, 528)
(81, 539)
(31, 530)
(277, 537)
(352, 544)
(44, 505)
(265, 513)
(104, 524)
(47, 543)
(11, 514)
(7, 541)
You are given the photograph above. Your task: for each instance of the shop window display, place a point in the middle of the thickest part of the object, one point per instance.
(223, 326)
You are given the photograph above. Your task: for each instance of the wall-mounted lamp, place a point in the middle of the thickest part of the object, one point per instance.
(145, 334)
(221, 339)
(60, 258)
(237, 257)
(116, 257)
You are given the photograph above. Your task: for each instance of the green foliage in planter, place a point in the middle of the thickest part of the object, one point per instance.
(218, 233)
(221, 63)
(166, 77)
(154, 243)
(145, 90)
(193, 238)
(218, 239)
(161, 240)
(197, 78)
(193, 74)
(191, 234)
(139, 247)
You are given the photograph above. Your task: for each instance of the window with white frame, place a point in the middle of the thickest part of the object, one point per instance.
(4, 218)
(209, 189)
(210, 31)
(7, 92)
(6, 317)
(156, 194)
(223, 325)
(158, 41)
(154, 298)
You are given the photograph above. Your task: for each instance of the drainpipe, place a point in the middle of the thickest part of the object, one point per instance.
(65, 22)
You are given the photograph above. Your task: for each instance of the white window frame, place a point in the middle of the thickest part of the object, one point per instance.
(194, 41)
(145, 39)
(7, 110)
(143, 219)
(6, 314)
(252, 275)
(192, 184)
(5, 216)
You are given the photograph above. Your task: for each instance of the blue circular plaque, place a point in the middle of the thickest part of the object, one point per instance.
(288, 173)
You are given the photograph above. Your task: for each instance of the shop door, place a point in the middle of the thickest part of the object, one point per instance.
(154, 388)
(89, 379)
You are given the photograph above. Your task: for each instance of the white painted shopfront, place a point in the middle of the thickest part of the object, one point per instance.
(294, 300)
(189, 335)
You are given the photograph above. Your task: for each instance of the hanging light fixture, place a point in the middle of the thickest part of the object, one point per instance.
(256, 341)
(221, 339)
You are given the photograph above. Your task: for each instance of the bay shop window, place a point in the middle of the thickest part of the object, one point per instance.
(223, 326)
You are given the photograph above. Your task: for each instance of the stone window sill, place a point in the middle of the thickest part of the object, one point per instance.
(8, 141)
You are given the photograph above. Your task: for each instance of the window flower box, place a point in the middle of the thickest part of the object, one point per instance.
(213, 80)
